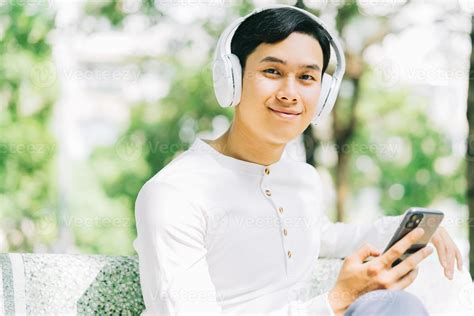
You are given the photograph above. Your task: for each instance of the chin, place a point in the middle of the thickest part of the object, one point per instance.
(280, 139)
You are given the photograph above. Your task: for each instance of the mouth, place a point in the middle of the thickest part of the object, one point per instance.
(284, 114)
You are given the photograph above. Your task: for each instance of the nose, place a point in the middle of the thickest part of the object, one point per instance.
(288, 92)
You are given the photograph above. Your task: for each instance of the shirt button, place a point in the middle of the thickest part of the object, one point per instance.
(268, 193)
(267, 171)
(280, 209)
(289, 254)
(285, 232)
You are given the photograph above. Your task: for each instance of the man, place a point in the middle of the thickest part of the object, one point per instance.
(232, 226)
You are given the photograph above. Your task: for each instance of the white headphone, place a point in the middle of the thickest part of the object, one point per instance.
(227, 71)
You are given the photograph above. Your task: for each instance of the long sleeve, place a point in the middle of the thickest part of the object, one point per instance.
(174, 273)
(339, 240)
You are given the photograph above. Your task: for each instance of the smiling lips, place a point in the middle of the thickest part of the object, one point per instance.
(286, 114)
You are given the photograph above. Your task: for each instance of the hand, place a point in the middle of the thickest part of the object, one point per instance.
(357, 278)
(447, 251)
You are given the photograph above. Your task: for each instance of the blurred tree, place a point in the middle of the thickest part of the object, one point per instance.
(405, 176)
(158, 132)
(117, 10)
(399, 160)
(28, 191)
(351, 130)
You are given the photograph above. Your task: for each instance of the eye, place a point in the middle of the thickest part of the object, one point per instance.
(270, 71)
(311, 77)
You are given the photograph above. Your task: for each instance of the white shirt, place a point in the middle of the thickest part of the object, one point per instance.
(216, 234)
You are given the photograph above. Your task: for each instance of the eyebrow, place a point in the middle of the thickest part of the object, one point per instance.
(278, 60)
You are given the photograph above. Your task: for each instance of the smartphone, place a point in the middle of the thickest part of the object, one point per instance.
(428, 219)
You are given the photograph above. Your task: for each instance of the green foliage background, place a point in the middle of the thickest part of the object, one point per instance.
(108, 182)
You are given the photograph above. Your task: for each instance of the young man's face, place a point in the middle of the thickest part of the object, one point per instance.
(289, 87)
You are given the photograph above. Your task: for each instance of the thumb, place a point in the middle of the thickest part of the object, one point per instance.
(366, 251)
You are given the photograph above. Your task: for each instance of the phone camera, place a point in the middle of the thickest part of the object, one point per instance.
(414, 220)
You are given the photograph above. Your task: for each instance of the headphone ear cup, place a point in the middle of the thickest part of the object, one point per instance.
(222, 81)
(227, 79)
(324, 107)
(236, 70)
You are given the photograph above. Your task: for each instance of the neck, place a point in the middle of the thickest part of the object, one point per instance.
(236, 142)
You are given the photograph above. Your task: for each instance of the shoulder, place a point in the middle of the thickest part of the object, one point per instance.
(160, 193)
(162, 205)
(186, 169)
(175, 185)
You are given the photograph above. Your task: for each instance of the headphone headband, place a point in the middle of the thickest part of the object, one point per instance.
(228, 33)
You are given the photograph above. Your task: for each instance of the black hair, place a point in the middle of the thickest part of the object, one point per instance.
(274, 25)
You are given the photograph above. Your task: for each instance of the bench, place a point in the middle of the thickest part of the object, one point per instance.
(71, 284)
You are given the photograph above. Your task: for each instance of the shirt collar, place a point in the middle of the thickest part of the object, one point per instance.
(201, 146)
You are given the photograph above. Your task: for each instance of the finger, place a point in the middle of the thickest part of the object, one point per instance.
(449, 269)
(401, 246)
(459, 258)
(411, 262)
(438, 242)
(456, 252)
(405, 280)
(366, 251)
